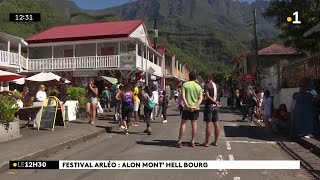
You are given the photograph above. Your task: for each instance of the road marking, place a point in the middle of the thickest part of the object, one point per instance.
(236, 178)
(228, 145)
(221, 172)
(231, 158)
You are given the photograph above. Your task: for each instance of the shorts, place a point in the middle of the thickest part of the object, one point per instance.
(210, 115)
(118, 105)
(92, 100)
(186, 115)
(127, 112)
(136, 106)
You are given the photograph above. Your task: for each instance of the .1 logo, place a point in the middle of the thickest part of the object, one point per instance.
(296, 18)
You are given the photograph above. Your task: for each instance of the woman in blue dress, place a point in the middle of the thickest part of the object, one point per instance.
(302, 124)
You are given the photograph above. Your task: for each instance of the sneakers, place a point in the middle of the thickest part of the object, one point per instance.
(179, 145)
(148, 131)
(164, 121)
(122, 127)
(135, 124)
(126, 131)
(161, 116)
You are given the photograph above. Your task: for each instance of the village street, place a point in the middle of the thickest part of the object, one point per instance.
(238, 141)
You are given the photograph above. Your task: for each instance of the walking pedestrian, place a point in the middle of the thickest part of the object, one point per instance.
(192, 96)
(165, 103)
(148, 108)
(106, 95)
(160, 110)
(92, 101)
(127, 98)
(136, 107)
(118, 108)
(181, 103)
(211, 111)
(267, 111)
(155, 97)
(176, 94)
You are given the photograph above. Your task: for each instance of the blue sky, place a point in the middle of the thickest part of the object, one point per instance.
(101, 4)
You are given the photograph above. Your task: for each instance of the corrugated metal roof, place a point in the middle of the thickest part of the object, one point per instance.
(278, 49)
(87, 31)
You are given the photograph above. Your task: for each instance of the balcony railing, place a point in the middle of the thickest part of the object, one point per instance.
(87, 62)
(143, 63)
(11, 58)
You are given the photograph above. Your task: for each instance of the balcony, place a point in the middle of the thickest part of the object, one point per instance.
(72, 63)
(12, 59)
(143, 63)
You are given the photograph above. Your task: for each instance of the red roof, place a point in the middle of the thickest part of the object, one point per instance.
(278, 49)
(162, 50)
(87, 31)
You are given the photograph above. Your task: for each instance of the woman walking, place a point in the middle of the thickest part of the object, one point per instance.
(148, 107)
(92, 101)
(127, 98)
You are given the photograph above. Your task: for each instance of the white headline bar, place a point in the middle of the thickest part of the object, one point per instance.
(87, 164)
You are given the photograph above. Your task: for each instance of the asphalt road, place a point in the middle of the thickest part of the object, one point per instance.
(238, 141)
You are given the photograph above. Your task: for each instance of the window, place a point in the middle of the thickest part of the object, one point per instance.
(107, 51)
(68, 53)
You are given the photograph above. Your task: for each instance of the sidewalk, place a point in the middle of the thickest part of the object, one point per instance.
(312, 144)
(35, 144)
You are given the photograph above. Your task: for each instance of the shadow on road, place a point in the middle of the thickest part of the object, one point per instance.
(168, 143)
(252, 132)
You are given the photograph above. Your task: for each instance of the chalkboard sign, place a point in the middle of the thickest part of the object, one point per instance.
(48, 117)
(49, 114)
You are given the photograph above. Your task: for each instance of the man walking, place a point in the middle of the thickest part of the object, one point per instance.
(106, 99)
(192, 96)
(211, 111)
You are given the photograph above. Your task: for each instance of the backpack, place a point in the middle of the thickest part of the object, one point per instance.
(127, 99)
(150, 104)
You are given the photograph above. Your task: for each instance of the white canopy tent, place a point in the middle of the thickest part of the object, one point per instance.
(44, 77)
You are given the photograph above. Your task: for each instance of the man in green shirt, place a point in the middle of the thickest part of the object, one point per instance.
(192, 95)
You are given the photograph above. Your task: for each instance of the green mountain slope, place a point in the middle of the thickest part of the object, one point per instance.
(204, 34)
(182, 24)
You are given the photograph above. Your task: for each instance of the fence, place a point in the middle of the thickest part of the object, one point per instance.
(291, 75)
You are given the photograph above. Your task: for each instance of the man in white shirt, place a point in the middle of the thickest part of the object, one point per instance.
(155, 97)
(41, 94)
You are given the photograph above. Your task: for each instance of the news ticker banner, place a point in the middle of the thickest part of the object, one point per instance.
(88, 164)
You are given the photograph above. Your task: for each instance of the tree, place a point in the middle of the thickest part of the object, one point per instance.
(292, 34)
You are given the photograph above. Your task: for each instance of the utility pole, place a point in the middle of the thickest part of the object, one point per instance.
(155, 38)
(256, 47)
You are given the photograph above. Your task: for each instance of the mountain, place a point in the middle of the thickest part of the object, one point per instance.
(206, 34)
(182, 24)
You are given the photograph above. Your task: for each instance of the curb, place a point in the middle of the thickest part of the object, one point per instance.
(313, 147)
(305, 143)
(35, 155)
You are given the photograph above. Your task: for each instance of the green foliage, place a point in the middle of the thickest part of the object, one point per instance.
(26, 29)
(8, 107)
(292, 34)
(77, 94)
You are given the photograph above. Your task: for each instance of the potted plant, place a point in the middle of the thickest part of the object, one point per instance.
(78, 94)
(9, 125)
